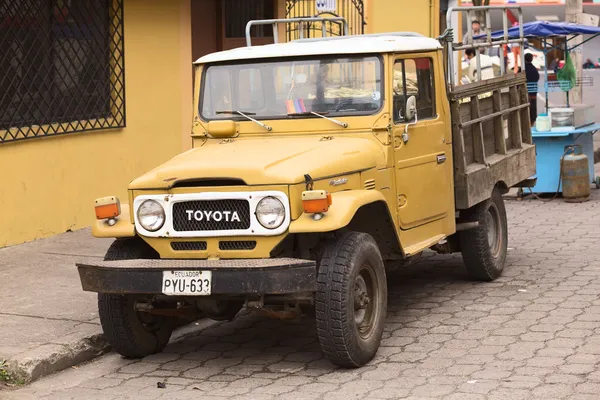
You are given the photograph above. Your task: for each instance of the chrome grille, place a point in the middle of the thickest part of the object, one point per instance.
(188, 246)
(237, 245)
(220, 219)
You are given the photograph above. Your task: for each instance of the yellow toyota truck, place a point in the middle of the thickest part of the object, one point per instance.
(316, 164)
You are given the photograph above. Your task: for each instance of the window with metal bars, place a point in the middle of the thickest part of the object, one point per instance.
(62, 67)
(352, 10)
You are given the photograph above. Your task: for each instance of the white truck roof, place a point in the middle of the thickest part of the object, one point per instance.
(357, 44)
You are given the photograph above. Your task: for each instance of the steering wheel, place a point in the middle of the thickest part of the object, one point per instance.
(343, 103)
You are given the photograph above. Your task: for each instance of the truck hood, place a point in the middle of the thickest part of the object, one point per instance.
(266, 161)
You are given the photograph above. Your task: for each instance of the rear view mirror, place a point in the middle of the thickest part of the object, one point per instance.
(300, 78)
(411, 108)
(297, 79)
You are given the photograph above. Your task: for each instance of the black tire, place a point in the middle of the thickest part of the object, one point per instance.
(349, 330)
(131, 333)
(484, 248)
(130, 249)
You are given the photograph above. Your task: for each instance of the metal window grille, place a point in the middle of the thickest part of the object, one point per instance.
(62, 64)
(352, 10)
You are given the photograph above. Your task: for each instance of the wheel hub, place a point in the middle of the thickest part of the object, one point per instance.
(364, 312)
(493, 230)
(361, 299)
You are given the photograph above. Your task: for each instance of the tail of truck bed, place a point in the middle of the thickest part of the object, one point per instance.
(491, 131)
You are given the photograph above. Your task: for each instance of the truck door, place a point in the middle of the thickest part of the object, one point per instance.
(422, 156)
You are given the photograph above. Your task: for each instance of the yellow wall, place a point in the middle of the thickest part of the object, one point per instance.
(48, 185)
(420, 16)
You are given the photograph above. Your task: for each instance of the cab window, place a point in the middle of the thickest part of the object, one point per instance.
(414, 77)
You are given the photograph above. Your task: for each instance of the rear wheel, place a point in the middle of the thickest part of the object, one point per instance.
(132, 333)
(484, 248)
(351, 300)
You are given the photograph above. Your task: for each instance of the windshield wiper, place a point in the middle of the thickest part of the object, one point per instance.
(245, 115)
(234, 112)
(335, 121)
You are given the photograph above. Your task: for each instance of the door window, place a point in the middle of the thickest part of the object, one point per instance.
(414, 77)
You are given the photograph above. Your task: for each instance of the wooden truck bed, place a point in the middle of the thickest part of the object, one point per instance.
(492, 137)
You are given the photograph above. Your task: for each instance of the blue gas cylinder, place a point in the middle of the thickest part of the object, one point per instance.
(575, 175)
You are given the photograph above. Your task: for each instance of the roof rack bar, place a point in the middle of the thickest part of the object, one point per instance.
(485, 41)
(300, 21)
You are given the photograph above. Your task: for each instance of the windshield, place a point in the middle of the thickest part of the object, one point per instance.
(291, 88)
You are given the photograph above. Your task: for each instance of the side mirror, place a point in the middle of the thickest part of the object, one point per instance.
(222, 129)
(409, 114)
(410, 111)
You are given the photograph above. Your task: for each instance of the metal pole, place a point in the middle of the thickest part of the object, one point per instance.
(450, 77)
(573, 13)
(478, 63)
(546, 73)
(521, 34)
(469, 28)
(505, 31)
(300, 22)
(488, 25)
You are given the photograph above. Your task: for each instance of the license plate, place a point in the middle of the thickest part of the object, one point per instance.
(186, 283)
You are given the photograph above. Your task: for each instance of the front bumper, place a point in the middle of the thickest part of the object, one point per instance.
(233, 277)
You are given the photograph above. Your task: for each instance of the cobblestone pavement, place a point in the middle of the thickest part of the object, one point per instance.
(534, 333)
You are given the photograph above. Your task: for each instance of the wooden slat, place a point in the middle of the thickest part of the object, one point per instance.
(498, 128)
(486, 85)
(525, 120)
(488, 117)
(478, 144)
(514, 124)
(460, 163)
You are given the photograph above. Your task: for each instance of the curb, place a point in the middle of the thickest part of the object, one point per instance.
(50, 358)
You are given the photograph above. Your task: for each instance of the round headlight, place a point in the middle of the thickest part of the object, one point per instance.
(270, 212)
(151, 215)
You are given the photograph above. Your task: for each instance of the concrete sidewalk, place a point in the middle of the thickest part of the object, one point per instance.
(46, 321)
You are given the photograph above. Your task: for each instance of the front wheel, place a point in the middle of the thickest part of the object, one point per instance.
(351, 300)
(484, 248)
(132, 333)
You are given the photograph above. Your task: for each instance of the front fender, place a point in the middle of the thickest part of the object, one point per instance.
(123, 227)
(343, 207)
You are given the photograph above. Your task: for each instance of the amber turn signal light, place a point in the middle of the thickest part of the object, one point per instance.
(316, 201)
(107, 207)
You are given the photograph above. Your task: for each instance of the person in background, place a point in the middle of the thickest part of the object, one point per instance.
(533, 76)
(588, 64)
(554, 65)
(487, 67)
(476, 27)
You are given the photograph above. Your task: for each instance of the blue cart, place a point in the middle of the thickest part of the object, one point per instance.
(550, 147)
